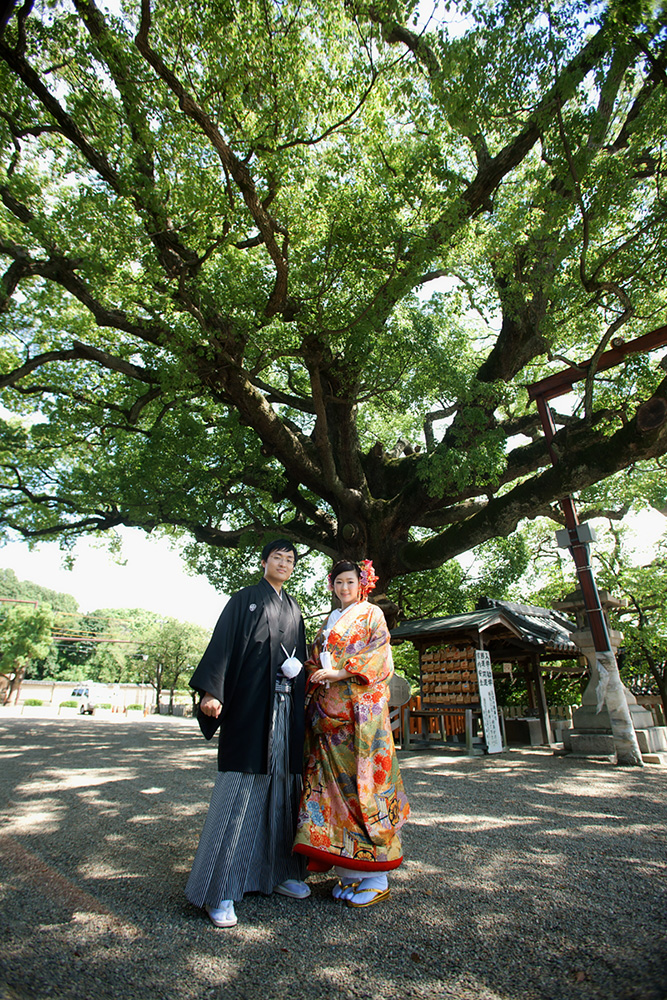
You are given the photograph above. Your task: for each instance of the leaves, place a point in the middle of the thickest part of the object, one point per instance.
(220, 231)
(26, 636)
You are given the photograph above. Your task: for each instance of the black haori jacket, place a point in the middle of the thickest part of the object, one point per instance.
(240, 667)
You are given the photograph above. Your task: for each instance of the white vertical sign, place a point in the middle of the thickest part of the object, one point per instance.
(487, 697)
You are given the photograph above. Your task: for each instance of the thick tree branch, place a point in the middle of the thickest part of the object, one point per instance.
(238, 170)
(275, 395)
(643, 437)
(478, 192)
(62, 271)
(450, 515)
(113, 363)
(174, 253)
(321, 434)
(645, 94)
(430, 419)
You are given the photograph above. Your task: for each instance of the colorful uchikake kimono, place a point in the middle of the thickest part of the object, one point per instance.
(353, 800)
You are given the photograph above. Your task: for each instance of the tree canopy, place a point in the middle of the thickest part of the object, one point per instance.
(221, 225)
(13, 589)
(25, 635)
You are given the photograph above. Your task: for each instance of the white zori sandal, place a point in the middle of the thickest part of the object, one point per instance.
(293, 888)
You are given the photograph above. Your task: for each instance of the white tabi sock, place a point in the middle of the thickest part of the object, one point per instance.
(347, 879)
(367, 888)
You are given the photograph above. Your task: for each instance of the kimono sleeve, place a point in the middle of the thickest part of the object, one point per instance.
(214, 664)
(370, 661)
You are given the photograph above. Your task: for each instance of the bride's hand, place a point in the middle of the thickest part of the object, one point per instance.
(326, 676)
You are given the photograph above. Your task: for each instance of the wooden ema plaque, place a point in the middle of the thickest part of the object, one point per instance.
(449, 676)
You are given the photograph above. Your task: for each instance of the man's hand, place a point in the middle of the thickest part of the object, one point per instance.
(210, 706)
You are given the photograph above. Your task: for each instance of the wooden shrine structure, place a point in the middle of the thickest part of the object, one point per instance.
(514, 634)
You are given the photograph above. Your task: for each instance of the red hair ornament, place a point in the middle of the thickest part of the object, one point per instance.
(368, 578)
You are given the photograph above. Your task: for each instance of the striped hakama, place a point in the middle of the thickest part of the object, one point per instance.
(246, 843)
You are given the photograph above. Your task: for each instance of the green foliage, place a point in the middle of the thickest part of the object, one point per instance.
(229, 570)
(406, 663)
(34, 702)
(25, 635)
(642, 621)
(559, 689)
(172, 651)
(23, 590)
(219, 231)
(456, 587)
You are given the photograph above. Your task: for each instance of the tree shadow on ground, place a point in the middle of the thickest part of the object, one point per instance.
(526, 876)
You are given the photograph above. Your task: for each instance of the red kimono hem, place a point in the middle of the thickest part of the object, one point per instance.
(322, 861)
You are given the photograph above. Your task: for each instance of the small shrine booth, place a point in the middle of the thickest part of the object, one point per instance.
(516, 636)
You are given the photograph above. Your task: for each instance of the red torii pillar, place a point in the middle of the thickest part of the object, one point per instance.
(625, 739)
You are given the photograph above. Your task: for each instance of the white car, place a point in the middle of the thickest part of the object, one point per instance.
(89, 696)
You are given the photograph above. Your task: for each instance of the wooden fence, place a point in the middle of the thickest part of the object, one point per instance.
(455, 724)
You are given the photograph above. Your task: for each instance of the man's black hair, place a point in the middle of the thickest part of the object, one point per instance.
(279, 545)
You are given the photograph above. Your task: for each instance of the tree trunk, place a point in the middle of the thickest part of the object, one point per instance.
(15, 685)
(662, 690)
(158, 687)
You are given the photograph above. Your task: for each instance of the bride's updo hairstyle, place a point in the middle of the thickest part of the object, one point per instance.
(365, 574)
(343, 566)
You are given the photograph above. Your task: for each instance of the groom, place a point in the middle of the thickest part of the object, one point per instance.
(247, 692)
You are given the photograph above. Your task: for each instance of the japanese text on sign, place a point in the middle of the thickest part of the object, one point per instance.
(487, 697)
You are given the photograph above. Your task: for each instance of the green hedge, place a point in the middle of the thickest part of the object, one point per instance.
(33, 701)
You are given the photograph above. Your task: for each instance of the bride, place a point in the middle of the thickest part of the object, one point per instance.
(353, 800)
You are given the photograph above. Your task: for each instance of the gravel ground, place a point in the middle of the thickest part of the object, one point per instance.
(528, 877)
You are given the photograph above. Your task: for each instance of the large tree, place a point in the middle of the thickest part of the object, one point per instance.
(220, 225)
(173, 650)
(25, 635)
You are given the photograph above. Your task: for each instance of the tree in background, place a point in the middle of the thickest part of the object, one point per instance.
(25, 636)
(101, 645)
(11, 588)
(550, 577)
(109, 645)
(173, 649)
(219, 227)
(644, 621)
(456, 587)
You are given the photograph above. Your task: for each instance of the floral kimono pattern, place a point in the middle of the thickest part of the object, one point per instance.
(353, 801)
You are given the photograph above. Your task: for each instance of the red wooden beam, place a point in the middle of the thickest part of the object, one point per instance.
(561, 382)
(580, 551)
(542, 392)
